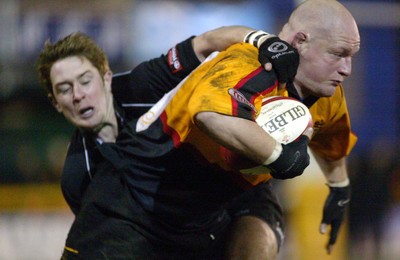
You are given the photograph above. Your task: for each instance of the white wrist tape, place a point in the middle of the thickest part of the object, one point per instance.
(275, 154)
(256, 38)
(340, 184)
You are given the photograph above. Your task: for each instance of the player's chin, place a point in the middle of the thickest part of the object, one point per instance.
(86, 125)
(327, 91)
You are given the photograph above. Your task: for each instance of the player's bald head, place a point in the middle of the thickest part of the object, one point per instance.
(319, 17)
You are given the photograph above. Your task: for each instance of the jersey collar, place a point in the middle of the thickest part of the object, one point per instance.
(308, 101)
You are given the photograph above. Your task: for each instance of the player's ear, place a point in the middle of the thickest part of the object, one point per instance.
(54, 102)
(299, 39)
(108, 79)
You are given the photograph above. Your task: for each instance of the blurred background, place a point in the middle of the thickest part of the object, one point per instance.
(34, 219)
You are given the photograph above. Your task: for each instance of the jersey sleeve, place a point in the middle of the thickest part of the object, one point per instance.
(333, 137)
(234, 84)
(150, 80)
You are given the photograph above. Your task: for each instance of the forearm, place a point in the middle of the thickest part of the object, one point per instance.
(250, 140)
(237, 134)
(219, 39)
(334, 171)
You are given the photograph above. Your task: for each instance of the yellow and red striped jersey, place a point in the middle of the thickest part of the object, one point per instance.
(234, 83)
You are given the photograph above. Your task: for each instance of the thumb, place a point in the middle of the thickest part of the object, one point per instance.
(282, 86)
(308, 132)
(268, 66)
(322, 228)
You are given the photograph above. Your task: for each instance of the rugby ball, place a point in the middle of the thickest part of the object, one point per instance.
(284, 118)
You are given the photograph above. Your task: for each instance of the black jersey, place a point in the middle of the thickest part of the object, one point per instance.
(134, 92)
(171, 198)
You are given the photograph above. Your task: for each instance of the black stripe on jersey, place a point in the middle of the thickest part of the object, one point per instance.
(259, 82)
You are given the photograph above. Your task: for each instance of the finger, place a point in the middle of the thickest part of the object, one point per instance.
(308, 132)
(282, 86)
(329, 249)
(322, 228)
(334, 232)
(268, 66)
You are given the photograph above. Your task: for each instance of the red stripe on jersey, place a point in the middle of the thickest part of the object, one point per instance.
(169, 130)
(242, 83)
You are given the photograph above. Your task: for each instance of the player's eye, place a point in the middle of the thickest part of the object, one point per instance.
(64, 89)
(338, 54)
(86, 82)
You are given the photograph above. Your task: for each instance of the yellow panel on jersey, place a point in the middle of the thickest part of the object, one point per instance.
(223, 85)
(333, 138)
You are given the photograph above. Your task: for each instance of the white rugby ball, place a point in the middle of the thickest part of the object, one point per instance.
(284, 118)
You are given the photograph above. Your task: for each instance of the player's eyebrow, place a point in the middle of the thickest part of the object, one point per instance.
(84, 74)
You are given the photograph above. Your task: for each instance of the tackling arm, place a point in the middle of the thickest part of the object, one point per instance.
(219, 39)
(285, 64)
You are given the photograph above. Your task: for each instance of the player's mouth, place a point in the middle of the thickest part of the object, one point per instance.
(335, 83)
(86, 112)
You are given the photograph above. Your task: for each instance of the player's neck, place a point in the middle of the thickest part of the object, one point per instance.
(108, 132)
(301, 92)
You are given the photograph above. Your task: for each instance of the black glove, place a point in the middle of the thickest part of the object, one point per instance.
(284, 58)
(333, 214)
(293, 160)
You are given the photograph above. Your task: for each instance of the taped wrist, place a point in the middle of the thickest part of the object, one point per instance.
(256, 38)
(275, 154)
(340, 184)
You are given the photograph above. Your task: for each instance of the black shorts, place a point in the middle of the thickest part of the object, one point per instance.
(262, 202)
